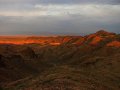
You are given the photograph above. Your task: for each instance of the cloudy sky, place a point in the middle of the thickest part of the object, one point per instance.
(50, 17)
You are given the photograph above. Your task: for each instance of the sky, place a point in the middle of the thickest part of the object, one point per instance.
(58, 17)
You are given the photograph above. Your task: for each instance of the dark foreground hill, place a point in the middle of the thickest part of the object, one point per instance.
(91, 62)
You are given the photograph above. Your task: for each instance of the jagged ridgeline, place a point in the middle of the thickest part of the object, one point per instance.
(90, 62)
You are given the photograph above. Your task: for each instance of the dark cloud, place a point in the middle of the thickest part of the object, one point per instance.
(17, 1)
(81, 1)
(59, 1)
(54, 25)
(35, 17)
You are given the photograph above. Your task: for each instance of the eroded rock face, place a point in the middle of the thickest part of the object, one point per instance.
(96, 40)
(114, 44)
(104, 33)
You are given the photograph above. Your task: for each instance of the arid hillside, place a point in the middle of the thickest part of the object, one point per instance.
(90, 62)
(92, 39)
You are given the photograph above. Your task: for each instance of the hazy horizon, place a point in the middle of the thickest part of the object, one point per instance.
(58, 17)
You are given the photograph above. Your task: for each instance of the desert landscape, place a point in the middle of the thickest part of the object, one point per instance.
(59, 44)
(90, 62)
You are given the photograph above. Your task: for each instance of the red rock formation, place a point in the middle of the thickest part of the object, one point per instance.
(96, 40)
(104, 33)
(114, 44)
(92, 39)
(55, 44)
(79, 41)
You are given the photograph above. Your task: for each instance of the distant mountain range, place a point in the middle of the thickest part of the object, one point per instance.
(111, 39)
(90, 62)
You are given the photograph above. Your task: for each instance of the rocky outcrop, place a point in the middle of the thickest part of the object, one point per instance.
(92, 39)
(114, 44)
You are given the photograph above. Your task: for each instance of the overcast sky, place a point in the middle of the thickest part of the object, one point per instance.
(50, 17)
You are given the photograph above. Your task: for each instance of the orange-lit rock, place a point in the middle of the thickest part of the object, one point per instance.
(92, 39)
(79, 41)
(30, 40)
(114, 44)
(66, 39)
(104, 33)
(96, 40)
(55, 44)
(90, 36)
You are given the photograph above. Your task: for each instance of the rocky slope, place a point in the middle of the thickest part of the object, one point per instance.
(91, 62)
